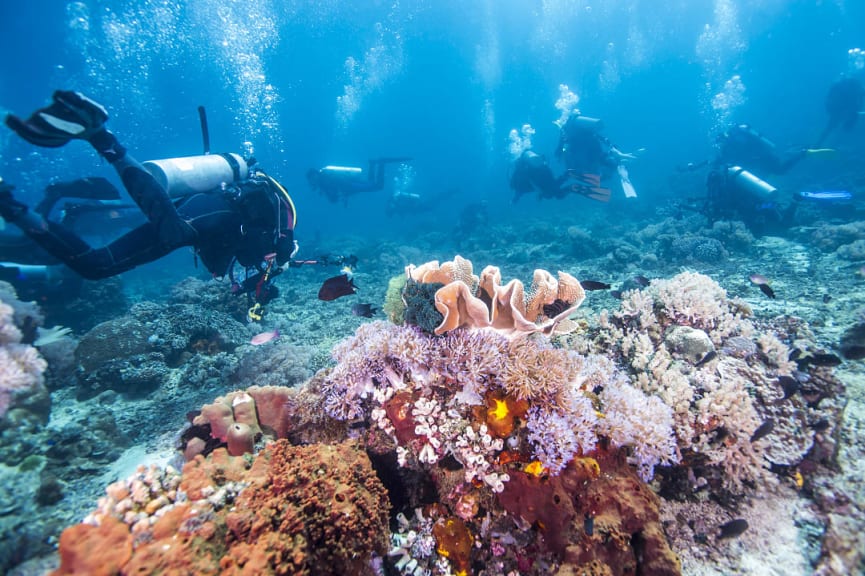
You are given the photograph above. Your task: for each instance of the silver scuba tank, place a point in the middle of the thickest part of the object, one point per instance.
(193, 174)
(758, 188)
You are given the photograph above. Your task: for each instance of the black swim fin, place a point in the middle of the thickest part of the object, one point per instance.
(71, 115)
(88, 188)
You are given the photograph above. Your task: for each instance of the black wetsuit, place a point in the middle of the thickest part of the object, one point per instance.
(242, 223)
(532, 172)
(584, 149)
(743, 146)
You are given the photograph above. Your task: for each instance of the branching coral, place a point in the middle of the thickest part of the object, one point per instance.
(690, 346)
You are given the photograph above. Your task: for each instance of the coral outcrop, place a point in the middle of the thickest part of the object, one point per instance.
(135, 353)
(290, 510)
(473, 411)
(722, 373)
(470, 301)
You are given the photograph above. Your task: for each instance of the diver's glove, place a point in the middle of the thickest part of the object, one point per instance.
(70, 116)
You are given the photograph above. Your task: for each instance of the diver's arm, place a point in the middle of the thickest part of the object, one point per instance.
(622, 156)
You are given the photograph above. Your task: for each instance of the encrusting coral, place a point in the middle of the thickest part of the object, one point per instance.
(291, 510)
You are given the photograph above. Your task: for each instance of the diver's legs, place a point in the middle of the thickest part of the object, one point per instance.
(137, 247)
(154, 202)
(73, 116)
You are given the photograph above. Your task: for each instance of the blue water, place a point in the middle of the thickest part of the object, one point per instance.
(304, 84)
(309, 84)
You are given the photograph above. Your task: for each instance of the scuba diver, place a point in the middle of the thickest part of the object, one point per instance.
(404, 203)
(228, 211)
(589, 156)
(589, 160)
(338, 183)
(734, 190)
(844, 104)
(742, 145)
(531, 172)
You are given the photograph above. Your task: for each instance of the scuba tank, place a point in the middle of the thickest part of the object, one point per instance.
(345, 171)
(586, 123)
(745, 181)
(194, 174)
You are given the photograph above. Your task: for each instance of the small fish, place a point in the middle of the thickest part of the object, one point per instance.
(767, 290)
(732, 528)
(616, 294)
(640, 280)
(820, 425)
(805, 357)
(763, 284)
(264, 338)
(336, 287)
(824, 359)
(763, 430)
(789, 385)
(557, 307)
(589, 524)
(826, 298)
(364, 310)
(710, 355)
(594, 285)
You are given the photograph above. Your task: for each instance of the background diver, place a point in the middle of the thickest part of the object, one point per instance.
(589, 158)
(735, 185)
(845, 102)
(339, 183)
(247, 220)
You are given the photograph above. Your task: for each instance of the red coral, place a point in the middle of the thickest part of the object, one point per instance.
(603, 523)
(398, 409)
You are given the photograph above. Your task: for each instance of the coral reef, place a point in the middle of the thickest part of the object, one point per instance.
(500, 450)
(720, 372)
(472, 410)
(290, 510)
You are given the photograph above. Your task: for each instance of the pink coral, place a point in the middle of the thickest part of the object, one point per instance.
(21, 366)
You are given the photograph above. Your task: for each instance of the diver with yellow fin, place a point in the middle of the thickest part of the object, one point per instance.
(219, 204)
